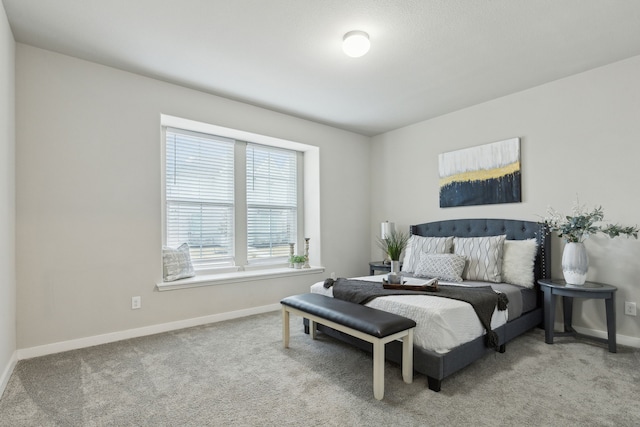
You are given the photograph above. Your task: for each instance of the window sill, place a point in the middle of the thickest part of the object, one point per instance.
(235, 277)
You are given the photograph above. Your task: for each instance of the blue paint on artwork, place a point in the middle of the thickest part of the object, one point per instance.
(506, 189)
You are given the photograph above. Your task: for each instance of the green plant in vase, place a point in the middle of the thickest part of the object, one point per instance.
(574, 229)
(393, 245)
(297, 260)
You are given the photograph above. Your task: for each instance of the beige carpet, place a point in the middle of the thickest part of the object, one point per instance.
(236, 373)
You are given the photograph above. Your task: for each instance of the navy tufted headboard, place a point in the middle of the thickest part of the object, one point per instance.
(514, 229)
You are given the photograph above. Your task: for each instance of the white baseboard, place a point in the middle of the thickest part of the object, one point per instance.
(43, 350)
(6, 373)
(620, 339)
(58, 347)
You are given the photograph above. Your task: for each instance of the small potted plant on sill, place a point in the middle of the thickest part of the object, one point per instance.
(297, 260)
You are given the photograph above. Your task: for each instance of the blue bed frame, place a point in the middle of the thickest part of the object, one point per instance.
(438, 366)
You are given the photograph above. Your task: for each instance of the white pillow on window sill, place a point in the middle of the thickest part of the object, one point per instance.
(176, 263)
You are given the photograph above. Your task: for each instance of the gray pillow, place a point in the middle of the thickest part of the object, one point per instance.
(420, 244)
(484, 257)
(177, 263)
(447, 267)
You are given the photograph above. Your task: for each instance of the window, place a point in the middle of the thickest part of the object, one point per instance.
(271, 202)
(200, 196)
(236, 203)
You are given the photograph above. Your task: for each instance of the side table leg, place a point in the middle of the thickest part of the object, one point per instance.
(611, 323)
(549, 315)
(567, 309)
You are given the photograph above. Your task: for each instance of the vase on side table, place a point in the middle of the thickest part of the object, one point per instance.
(394, 277)
(575, 263)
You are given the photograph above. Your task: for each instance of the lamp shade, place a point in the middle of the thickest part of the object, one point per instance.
(386, 229)
(356, 43)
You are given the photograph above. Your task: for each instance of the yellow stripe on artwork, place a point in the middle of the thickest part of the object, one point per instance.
(481, 175)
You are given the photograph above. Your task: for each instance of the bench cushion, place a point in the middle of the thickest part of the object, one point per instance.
(368, 320)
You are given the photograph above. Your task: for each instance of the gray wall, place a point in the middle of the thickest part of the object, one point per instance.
(7, 199)
(579, 135)
(88, 188)
(89, 208)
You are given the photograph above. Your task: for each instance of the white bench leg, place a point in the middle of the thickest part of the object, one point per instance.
(285, 327)
(407, 357)
(378, 369)
(378, 346)
(312, 329)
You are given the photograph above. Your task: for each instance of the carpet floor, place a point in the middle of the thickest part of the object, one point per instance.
(236, 373)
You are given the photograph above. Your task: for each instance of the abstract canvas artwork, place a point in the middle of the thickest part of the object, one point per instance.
(481, 175)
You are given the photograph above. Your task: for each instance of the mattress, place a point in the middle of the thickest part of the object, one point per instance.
(442, 323)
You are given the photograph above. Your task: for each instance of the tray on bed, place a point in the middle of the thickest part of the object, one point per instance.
(430, 286)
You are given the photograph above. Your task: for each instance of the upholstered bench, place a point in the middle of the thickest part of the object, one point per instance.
(375, 326)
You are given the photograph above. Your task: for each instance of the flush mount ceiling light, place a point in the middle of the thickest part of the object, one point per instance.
(356, 43)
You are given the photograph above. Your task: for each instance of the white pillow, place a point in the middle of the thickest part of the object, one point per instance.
(419, 244)
(176, 263)
(518, 260)
(447, 267)
(484, 257)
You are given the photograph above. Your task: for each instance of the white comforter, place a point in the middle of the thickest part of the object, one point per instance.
(442, 323)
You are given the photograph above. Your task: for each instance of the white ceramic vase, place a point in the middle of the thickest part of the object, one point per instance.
(575, 263)
(394, 276)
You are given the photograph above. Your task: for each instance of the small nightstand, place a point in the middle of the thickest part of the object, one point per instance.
(552, 287)
(379, 266)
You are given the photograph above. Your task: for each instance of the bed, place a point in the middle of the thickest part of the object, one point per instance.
(454, 337)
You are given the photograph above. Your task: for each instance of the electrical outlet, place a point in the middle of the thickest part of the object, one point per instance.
(136, 303)
(630, 308)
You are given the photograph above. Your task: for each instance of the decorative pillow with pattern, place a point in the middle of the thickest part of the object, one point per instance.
(447, 267)
(420, 244)
(518, 260)
(484, 257)
(177, 263)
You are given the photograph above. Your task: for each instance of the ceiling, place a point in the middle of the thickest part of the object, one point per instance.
(427, 57)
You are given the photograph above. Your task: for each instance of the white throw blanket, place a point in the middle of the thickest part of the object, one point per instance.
(442, 323)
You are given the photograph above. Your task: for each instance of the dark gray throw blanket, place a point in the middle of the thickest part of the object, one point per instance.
(483, 299)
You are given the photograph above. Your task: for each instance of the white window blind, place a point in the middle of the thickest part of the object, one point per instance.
(271, 203)
(200, 196)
